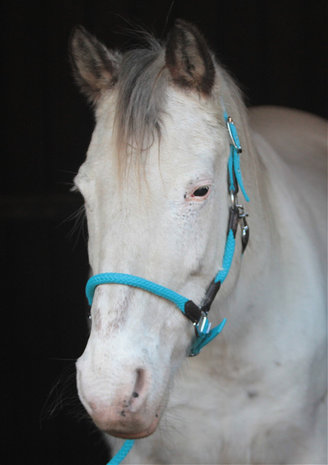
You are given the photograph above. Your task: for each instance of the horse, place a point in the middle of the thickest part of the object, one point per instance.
(161, 195)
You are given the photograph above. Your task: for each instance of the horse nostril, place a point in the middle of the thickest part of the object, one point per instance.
(140, 389)
(140, 382)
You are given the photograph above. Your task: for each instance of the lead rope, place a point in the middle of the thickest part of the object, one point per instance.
(122, 453)
(204, 333)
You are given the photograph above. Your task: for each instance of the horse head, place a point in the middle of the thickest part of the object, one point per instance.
(155, 188)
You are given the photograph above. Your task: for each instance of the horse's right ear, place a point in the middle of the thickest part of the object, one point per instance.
(95, 68)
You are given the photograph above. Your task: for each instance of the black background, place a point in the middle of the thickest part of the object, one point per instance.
(276, 50)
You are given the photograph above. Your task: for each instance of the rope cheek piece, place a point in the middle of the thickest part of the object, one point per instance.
(198, 315)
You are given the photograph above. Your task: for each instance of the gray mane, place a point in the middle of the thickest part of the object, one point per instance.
(142, 83)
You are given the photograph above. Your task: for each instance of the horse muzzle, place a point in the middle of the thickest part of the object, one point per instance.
(119, 405)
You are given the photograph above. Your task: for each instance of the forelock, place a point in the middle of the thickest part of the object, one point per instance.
(141, 87)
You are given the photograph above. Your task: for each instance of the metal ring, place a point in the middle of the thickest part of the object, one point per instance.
(234, 198)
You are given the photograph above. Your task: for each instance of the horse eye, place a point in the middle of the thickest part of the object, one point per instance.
(201, 191)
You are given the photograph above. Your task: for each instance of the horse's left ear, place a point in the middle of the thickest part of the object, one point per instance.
(188, 58)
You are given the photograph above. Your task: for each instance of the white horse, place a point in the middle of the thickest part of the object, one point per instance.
(157, 204)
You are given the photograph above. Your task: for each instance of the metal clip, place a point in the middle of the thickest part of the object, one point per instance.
(244, 235)
(204, 325)
(244, 228)
(233, 134)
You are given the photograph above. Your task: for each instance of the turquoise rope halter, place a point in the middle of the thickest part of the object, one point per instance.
(197, 315)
